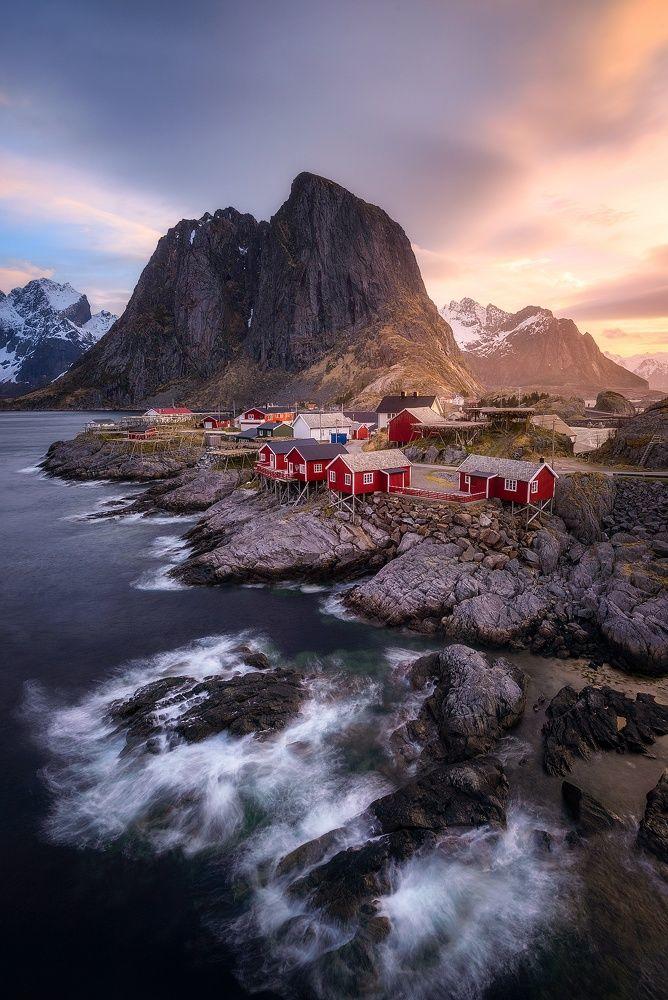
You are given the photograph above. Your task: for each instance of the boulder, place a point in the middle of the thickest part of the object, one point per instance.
(582, 500)
(590, 815)
(578, 723)
(613, 402)
(473, 702)
(182, 708)
(653, 831)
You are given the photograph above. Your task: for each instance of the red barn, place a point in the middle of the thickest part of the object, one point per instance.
(307, 461)
(368, 472)
(411, 423)
(506, 479)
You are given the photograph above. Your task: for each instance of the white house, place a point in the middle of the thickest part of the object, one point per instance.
(322, 426)
(169, 414)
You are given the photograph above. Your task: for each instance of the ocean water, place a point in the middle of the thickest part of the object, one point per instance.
(149, 875)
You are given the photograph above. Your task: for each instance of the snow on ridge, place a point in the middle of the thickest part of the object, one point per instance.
(59, 297)
(99, 324)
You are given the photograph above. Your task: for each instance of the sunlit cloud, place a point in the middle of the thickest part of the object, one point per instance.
(19, 272)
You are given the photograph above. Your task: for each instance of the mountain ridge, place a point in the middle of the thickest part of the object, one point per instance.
(44, 328)
(319, 302)
(532, 347)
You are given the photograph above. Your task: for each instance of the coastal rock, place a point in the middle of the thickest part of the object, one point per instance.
(473, 702)
(590, 815)
(653, 831)
(582, 500)
(578, 723)
(182, 708)
(285, 544)
(88, 457)
(188, 493)
(642, 439)
(469, 794)
(496, 620)
(614, 402)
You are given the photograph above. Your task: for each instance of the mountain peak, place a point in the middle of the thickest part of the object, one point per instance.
(531, 348)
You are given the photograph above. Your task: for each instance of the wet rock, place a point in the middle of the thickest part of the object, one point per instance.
(590, 815)
(402, 823)
(541, 841)
(473, 702)
(598, 719)
(310, 853)
(653, 831)
(495, 620)
(182, 708)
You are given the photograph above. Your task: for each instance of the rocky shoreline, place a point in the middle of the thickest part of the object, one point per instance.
(590, 581)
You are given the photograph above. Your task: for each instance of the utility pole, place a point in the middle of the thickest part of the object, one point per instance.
(554, 420)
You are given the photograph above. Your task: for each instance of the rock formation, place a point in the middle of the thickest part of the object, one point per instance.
(577, 723)
(321, 300)
(532, 347)
(641, 440)
(653, 832)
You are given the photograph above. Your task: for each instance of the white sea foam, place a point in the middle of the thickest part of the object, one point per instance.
(457, 920)
(333, 604)
(170, 549)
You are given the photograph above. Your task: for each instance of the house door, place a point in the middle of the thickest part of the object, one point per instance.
(291, 467)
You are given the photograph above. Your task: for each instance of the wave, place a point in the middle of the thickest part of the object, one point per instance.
(171, 548)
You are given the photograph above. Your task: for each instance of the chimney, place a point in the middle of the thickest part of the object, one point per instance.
(403, 394)
(415, 395)
(542, 460)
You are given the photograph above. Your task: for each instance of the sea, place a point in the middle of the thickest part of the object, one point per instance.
(154, 875)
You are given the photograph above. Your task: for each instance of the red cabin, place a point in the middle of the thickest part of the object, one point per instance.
(507, 479)
(140, 433)
(369, 472)
(214, 423)
(307, 460)
(273, 455)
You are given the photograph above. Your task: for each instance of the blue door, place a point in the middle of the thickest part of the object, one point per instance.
(338, 438)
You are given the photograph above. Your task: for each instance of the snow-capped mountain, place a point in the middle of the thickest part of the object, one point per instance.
(653, 367)
(532, 347)
(44, 328)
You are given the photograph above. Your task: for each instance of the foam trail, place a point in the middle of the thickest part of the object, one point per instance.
(171, 548)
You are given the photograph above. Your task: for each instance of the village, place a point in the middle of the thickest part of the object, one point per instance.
(353, 453)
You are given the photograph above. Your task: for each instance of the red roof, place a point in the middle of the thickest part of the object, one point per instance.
(172, 410)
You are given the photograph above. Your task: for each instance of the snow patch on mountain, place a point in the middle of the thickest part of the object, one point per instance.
(652, 366)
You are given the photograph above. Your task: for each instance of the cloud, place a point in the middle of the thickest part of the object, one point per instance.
(105, 219)
(641, 293)
(20, 272)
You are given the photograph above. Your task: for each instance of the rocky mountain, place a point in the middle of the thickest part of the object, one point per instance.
(532, 347)
(653, 367)
(44, 328)
(322, 301)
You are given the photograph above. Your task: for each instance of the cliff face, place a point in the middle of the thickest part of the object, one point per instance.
(532, 347)
(323, 300)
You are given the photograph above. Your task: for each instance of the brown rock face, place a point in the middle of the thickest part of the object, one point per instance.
(324, 299)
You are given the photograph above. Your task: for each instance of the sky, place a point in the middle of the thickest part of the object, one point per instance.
(522, 144)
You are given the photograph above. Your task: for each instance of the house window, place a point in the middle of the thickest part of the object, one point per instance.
(332, 476)
(317, 467)
(302, 467)
(510, 485)
(368, 478)
(467, 481)
(347, 479)
(272, 458)
(534, 486)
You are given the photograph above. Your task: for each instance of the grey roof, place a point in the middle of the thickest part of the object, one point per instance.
(508, 468)
(393, 404)
(272, 424)
(314, 450)
(280, 447)
(362, 416)
(367, 461)
(272, 409)
(251, 433)
(316, 419)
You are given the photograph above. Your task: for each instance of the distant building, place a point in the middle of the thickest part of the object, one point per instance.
(169, 414)
(552, 422)
(269, 429)
(215, 423)
(389, 406)
(320, 426)
(256, 415)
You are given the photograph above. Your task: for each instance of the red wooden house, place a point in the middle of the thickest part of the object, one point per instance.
(272, 455)
(367, 472)
(210, 423)
(411, 423)
(308, 460)
(140, 432)
(506, 479)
